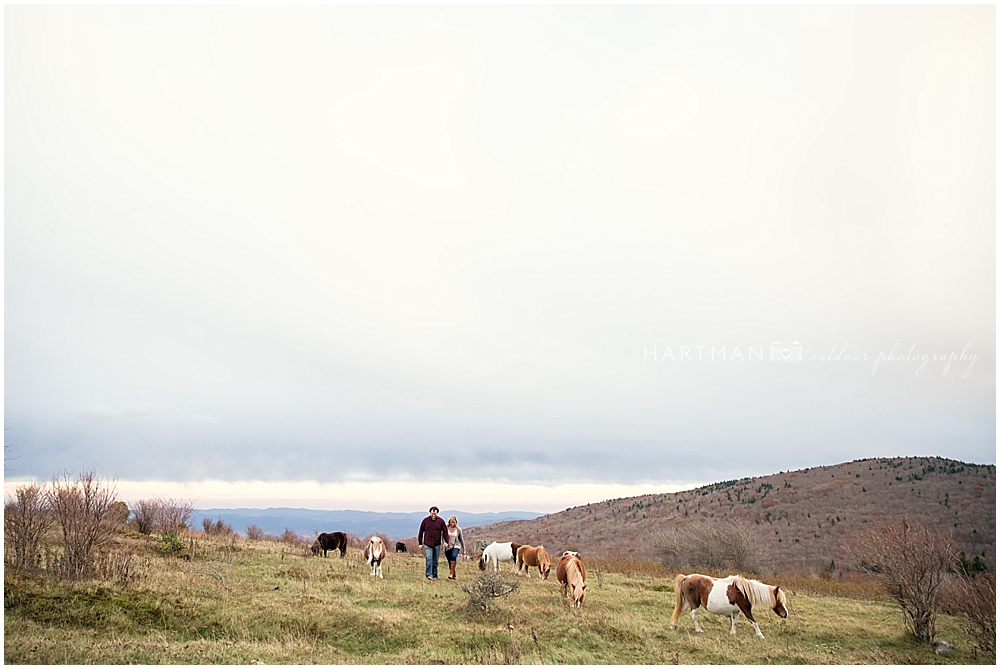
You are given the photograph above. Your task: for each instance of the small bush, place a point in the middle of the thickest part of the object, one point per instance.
(718, 545)
(172, 516)
(488, 587)
(26, 519)
(972, 597)
(911, 563)
(217, 529)
(143, 515)
(171, 544)
(81, 509)
(255, 533)
(291, 538)
(163, 516)
(118, 515)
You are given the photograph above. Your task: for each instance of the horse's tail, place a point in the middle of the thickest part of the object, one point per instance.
(679, 594)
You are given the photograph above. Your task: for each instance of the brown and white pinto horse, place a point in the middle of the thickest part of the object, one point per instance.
(529, 556)
(374, 554)
(572, 574)
(726, 596)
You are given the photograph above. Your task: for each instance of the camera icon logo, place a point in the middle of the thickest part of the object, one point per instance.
(786, 352)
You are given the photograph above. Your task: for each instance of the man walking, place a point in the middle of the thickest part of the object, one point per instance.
(432, 531)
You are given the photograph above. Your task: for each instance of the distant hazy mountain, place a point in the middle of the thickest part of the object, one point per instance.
(364, 523)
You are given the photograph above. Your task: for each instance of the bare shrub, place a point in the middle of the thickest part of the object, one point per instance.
(291, 538)
(161, 515)
(972, 597)
(144, 515)
(26, 519)
(356, 541)
(81, 507)
(255, 533)
(219, 528)
(487, 587)
(704, 544)
(172, 516)
(911, 563)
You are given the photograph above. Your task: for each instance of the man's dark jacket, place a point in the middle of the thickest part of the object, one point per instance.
(431, 532)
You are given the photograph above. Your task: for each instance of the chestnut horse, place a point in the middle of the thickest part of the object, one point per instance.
(528, 556)
(726, 596)
(572, 574)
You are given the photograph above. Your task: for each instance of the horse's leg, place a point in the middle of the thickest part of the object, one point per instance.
(694, 617)
(745, 608)
(734, 615)
(380, 569)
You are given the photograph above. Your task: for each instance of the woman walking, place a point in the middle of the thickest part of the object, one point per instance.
(454, 544)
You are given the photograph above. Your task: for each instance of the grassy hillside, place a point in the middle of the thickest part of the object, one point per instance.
(809, 513)
(263, 602)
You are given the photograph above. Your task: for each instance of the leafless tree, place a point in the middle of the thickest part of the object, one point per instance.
(80, 507)
(912, 563)
(705, 544)
(26, 519)
(255, 533)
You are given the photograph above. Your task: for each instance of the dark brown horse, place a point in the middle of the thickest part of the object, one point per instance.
(333, 541)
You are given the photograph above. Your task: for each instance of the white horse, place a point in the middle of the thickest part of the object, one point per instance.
(497, 553)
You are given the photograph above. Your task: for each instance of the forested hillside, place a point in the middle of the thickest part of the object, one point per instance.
(809, 513)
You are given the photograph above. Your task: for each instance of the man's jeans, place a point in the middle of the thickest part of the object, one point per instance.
(431, 555)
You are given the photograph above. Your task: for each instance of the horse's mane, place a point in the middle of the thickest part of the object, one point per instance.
(758, 592)
(573, 571)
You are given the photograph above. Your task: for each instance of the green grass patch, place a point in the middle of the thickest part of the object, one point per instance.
(279, 606)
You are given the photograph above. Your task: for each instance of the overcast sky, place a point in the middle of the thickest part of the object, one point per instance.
(318, 244)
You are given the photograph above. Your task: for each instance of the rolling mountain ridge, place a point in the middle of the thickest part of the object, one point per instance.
(310, 522)
(808, 514)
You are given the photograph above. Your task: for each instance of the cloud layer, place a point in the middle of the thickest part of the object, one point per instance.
(312, 243)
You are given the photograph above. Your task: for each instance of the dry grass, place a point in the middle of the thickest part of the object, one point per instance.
(280, 605)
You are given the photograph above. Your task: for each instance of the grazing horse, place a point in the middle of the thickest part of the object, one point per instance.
(334, 541)
(572, 574)
(400, 547)
(726, 596)
(374, 554)
(497, 553)
(528, 556)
